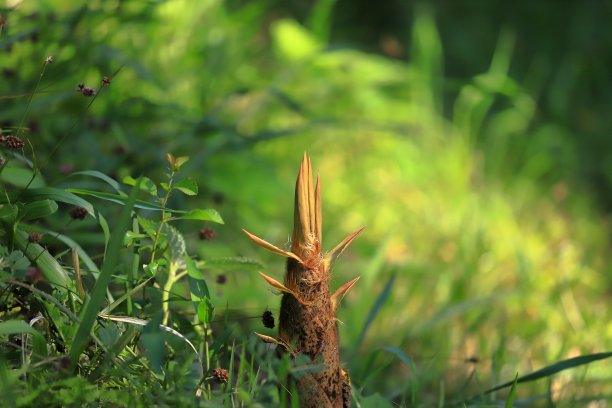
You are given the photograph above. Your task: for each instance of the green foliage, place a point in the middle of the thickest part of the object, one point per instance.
(484, 256)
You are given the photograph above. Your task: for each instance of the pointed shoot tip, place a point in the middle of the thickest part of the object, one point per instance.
(341, 247)
(342, 291)
(272, 248)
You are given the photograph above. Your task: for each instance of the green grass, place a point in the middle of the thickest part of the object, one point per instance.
(484, 256)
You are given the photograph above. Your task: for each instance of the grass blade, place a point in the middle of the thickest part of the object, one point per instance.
(403, 357)
(143, 323)
(380, 300)
(84, 256)
(101, 176)
(512, 394)
(123, 297)
(553, 369)
(198, 214)
(92, 306)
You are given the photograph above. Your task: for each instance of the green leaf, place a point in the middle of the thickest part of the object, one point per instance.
(109, 334)
(89, 263)
(152, 341)
(131, 236)
(197, 284)
(17, 327)
(146, 185)
(176, 244)
(8, 213)
(180, 161)
(149, 226)
(20, 327)
(187, 186)
(206, 311)
(320, 20)
(17, 261)
(122, 200)
(292, 41)
(375, 401)
(117, 199)
(152, 267)
(111, 259)
(49, 266)
(63, 196)
(201, 215)
(101, 176)
(37, 209)
(20, 177)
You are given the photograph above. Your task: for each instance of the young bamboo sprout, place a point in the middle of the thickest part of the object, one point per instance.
(307, 321)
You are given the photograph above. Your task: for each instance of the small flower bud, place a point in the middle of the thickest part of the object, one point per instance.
(13, 142)
(220, 375)
(64, 363)
(66, 168)
(207, 234)
(88, 91)
(34, 237)
(34, 274)
(78, 213)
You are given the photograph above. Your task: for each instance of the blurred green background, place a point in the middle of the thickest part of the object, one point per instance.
(472, 137)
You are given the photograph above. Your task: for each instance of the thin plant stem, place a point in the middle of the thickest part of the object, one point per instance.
(163, 203)
(27, 109)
